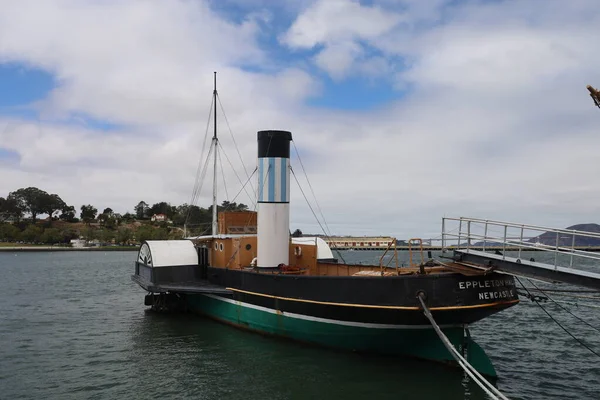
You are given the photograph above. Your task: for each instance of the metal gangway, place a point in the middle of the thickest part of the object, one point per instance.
(548, 254)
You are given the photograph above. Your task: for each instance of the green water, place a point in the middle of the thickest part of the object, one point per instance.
(73, 326)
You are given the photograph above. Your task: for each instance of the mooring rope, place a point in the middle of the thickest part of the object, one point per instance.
(533, 298)
(577, 304)
(487, 387)
(564, 308)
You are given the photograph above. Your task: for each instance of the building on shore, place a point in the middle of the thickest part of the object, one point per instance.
(359, 242)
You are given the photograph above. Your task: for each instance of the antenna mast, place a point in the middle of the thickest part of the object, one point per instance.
(215, 142)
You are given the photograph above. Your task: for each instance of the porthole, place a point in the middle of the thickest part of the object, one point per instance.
(216, 246)
(221, 246)
(248, 246)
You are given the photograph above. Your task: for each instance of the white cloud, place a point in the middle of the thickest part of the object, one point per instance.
(339, 26)
(495, 122)
(338, 58)
(329, 21)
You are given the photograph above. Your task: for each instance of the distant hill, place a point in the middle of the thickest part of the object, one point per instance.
(549, 238)
(564, 240)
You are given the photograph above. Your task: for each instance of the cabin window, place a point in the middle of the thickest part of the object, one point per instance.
(216, 246)
(221, 246)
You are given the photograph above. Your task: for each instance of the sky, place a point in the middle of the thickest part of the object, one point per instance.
(402, 111)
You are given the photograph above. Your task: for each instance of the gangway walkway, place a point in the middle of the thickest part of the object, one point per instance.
(554, 255)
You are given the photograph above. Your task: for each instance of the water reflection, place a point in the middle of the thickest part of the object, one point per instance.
(204, 359)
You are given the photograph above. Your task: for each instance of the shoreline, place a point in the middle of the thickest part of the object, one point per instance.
(60, 248)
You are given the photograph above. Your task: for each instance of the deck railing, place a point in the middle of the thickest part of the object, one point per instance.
(565, 247)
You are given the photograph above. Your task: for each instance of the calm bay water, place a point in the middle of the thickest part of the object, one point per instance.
(73, 326)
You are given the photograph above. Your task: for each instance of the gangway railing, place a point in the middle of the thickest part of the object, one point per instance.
(563, 250)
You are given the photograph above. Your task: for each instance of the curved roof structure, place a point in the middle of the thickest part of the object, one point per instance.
(167, 253)
(323, 250)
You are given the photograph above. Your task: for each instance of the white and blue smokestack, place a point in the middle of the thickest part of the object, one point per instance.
(273, 198)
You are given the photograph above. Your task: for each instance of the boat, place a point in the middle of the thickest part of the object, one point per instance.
(294, 288)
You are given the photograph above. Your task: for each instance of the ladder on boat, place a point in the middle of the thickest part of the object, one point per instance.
(549, 254)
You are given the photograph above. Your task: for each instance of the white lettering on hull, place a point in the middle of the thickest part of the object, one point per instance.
(492, 283)
(504, 294)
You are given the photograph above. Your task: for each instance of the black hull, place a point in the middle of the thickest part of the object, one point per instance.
(453, 298)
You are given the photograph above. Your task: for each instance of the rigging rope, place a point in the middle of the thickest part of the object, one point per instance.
(201, 170)
(328, 232)
(313, 211)
(569, 291)
(578, 304)
(201, 180)
(223, 172)
(252, 198)
(311, 188)
(248, 180)
(553, 319)
(249, 216)
(198, 170)
(487, 387)
(565, 309)
(234, 142)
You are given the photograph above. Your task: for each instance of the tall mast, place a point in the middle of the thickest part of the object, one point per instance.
(215, 142)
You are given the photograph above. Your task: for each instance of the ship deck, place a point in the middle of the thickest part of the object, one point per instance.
(202, 286)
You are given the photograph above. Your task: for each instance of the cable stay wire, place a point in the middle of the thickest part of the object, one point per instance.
(313, 212)
(328, 232)
(243, 187)
(250, 214)
(311, 188)
(201, 169)
(198, 170)
(564, 308)
(534, 298)
(487, 387)
(223, 172)
(252, 198)
(560, 293)
(234, 141)
(198, 189)
(568, 291)
(578, 304)
(255, 203)
(202, 175)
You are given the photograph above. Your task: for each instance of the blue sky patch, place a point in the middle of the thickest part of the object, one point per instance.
(354, 94)
(21, 85)
(8, 156)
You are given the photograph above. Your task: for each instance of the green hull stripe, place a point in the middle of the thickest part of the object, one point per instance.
(397, 340)
(325, 320)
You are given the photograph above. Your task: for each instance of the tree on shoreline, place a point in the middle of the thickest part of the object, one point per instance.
(88, 213)
(9, 208)
(68, 214)
(62, 225)
(33, 201)
(141, 210)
